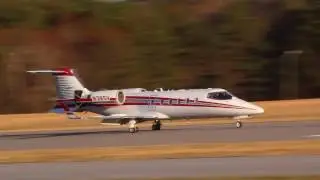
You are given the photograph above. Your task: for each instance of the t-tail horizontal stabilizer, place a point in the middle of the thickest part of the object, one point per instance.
(46, 71)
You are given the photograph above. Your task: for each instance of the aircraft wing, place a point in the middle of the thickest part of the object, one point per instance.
(141, 115)
(124, 118)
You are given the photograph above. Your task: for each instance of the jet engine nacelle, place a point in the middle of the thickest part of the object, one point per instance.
(108, 96)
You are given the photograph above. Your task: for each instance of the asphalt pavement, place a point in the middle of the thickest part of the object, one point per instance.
(111, 137)
(165, 168)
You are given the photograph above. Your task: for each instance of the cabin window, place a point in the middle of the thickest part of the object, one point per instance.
(167, 101)
(223, 95)
(174, 101)
(183, 101)
(156, 101)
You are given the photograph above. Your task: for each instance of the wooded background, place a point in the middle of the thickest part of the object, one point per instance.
(257, 49)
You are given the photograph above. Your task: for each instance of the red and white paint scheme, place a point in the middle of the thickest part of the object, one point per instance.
(134, 105)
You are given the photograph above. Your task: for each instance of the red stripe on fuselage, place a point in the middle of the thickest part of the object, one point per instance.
(210, 104)
(181, 105)
(147, 99)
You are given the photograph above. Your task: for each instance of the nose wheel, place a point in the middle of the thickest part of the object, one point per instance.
(156, 126)
(239, 124)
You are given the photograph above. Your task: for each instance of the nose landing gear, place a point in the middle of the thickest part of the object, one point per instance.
(238, 119)
(239, 124)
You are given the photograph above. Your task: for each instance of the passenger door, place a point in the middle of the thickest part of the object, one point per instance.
(152, 102)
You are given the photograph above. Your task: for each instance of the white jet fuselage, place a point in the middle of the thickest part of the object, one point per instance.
(194, 103)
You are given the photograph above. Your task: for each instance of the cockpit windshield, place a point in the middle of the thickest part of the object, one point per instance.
(222, 95)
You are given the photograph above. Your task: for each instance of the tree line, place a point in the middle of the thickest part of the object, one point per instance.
(258, 50)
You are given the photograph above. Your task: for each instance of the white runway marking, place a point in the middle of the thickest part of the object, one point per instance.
(313, 136)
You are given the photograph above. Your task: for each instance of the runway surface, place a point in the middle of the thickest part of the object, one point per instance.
(235, 166)
(268, 131)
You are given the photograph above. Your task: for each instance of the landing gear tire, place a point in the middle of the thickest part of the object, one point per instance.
(239, 124)
(133, 130)
(156, 126)
(132, 126)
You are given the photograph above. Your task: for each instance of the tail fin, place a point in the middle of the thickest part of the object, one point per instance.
(67, 84)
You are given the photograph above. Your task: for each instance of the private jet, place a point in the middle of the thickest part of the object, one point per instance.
(135, 105)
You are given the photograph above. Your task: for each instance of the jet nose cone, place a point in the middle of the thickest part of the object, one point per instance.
(255, 109)
(259, 110)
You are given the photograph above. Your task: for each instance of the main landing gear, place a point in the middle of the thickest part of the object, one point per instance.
(156, 126)
(132, 126)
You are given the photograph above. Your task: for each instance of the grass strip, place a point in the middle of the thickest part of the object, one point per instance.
(302, 147)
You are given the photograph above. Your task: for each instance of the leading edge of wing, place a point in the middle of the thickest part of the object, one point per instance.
(144, 116)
